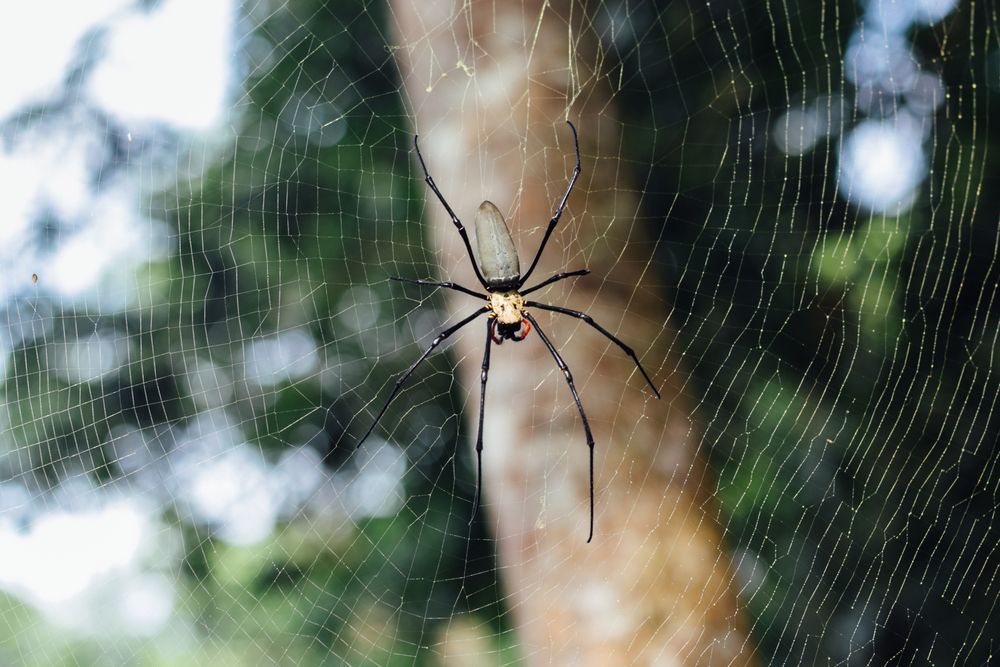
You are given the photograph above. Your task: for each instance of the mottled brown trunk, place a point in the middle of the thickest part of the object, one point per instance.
(491, 85)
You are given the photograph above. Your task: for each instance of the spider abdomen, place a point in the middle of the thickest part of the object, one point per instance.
(497, 255)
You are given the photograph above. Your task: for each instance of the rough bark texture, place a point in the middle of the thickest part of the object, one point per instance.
(491, 85)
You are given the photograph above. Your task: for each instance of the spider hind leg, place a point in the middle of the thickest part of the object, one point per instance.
(579, 406)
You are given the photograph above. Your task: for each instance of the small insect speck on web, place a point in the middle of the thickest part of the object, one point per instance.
(34, 277)
(540, 520)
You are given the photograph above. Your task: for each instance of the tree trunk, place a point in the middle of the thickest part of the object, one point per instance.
(491, 85)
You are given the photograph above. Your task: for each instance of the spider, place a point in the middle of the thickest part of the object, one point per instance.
(500, 274)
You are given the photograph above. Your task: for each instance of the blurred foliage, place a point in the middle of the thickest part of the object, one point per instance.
(275, 235)
(845, 358)
(288, 228)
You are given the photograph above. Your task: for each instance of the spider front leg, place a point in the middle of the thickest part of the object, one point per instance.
(579, 406)
(401, 381)
(554, 279)
(454, 218)
(559, 209)
(482, 414)
(435, 283)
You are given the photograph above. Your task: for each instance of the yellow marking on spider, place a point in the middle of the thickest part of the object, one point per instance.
(507, 307)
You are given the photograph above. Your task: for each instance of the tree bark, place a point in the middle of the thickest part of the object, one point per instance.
(490, 85)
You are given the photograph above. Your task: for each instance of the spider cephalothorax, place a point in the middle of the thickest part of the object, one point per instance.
(506, 307)
(507, 315)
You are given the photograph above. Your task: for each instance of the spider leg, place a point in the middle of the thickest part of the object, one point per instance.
(454, 218)
(559, 209)
(401, 381)
(610, 336)
(579, 407)
(482, 413)
(434, 283)
(554, 279)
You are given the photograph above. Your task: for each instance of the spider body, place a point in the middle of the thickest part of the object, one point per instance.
(507, 313)
(502, 275)
(499, 272)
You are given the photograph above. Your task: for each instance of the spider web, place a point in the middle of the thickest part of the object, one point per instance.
(202, 210)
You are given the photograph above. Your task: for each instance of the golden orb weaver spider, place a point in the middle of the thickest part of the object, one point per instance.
(506, 307)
